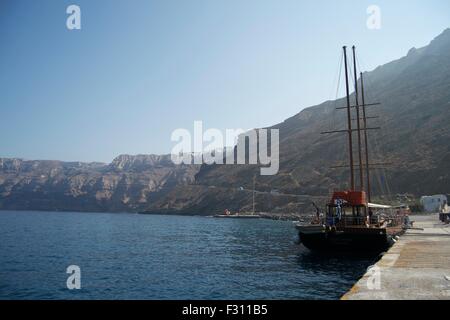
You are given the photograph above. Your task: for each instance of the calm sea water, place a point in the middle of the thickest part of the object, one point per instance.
(133, 256)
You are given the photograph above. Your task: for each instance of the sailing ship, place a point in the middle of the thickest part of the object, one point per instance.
(237, 215)
(349, 222)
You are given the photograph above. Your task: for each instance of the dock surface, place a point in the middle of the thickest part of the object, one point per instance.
(416, 267)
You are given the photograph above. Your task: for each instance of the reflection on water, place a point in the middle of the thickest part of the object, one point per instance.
(127, 256)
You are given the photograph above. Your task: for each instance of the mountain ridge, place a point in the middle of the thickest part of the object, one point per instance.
(415, 94)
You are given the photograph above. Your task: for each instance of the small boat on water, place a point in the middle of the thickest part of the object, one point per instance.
(237, 215)
(351, 222)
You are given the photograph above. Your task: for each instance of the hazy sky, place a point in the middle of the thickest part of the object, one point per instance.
(137, 70)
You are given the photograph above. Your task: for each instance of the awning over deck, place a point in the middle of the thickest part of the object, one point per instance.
(379, 206)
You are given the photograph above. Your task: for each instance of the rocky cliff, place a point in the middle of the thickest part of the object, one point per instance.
(129, 183)
(414, 114)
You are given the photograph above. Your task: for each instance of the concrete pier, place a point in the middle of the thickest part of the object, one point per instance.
(416, 267)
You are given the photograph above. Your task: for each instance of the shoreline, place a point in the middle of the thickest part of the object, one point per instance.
(263, 215)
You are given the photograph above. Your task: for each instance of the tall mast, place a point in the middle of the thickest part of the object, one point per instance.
(358, 126)
(254, 178)
(366, 144)
(349, 120)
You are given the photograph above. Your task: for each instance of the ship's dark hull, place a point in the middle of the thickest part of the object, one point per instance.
(346, 242)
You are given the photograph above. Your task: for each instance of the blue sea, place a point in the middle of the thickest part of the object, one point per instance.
(137, 256)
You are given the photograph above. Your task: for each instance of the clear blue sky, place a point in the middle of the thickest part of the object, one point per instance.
(137, 70)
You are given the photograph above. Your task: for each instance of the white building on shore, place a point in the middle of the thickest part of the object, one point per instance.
(434, 203)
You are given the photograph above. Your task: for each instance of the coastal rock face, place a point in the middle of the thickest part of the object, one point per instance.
(414, 140)
(127, 184)
(141, 162)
